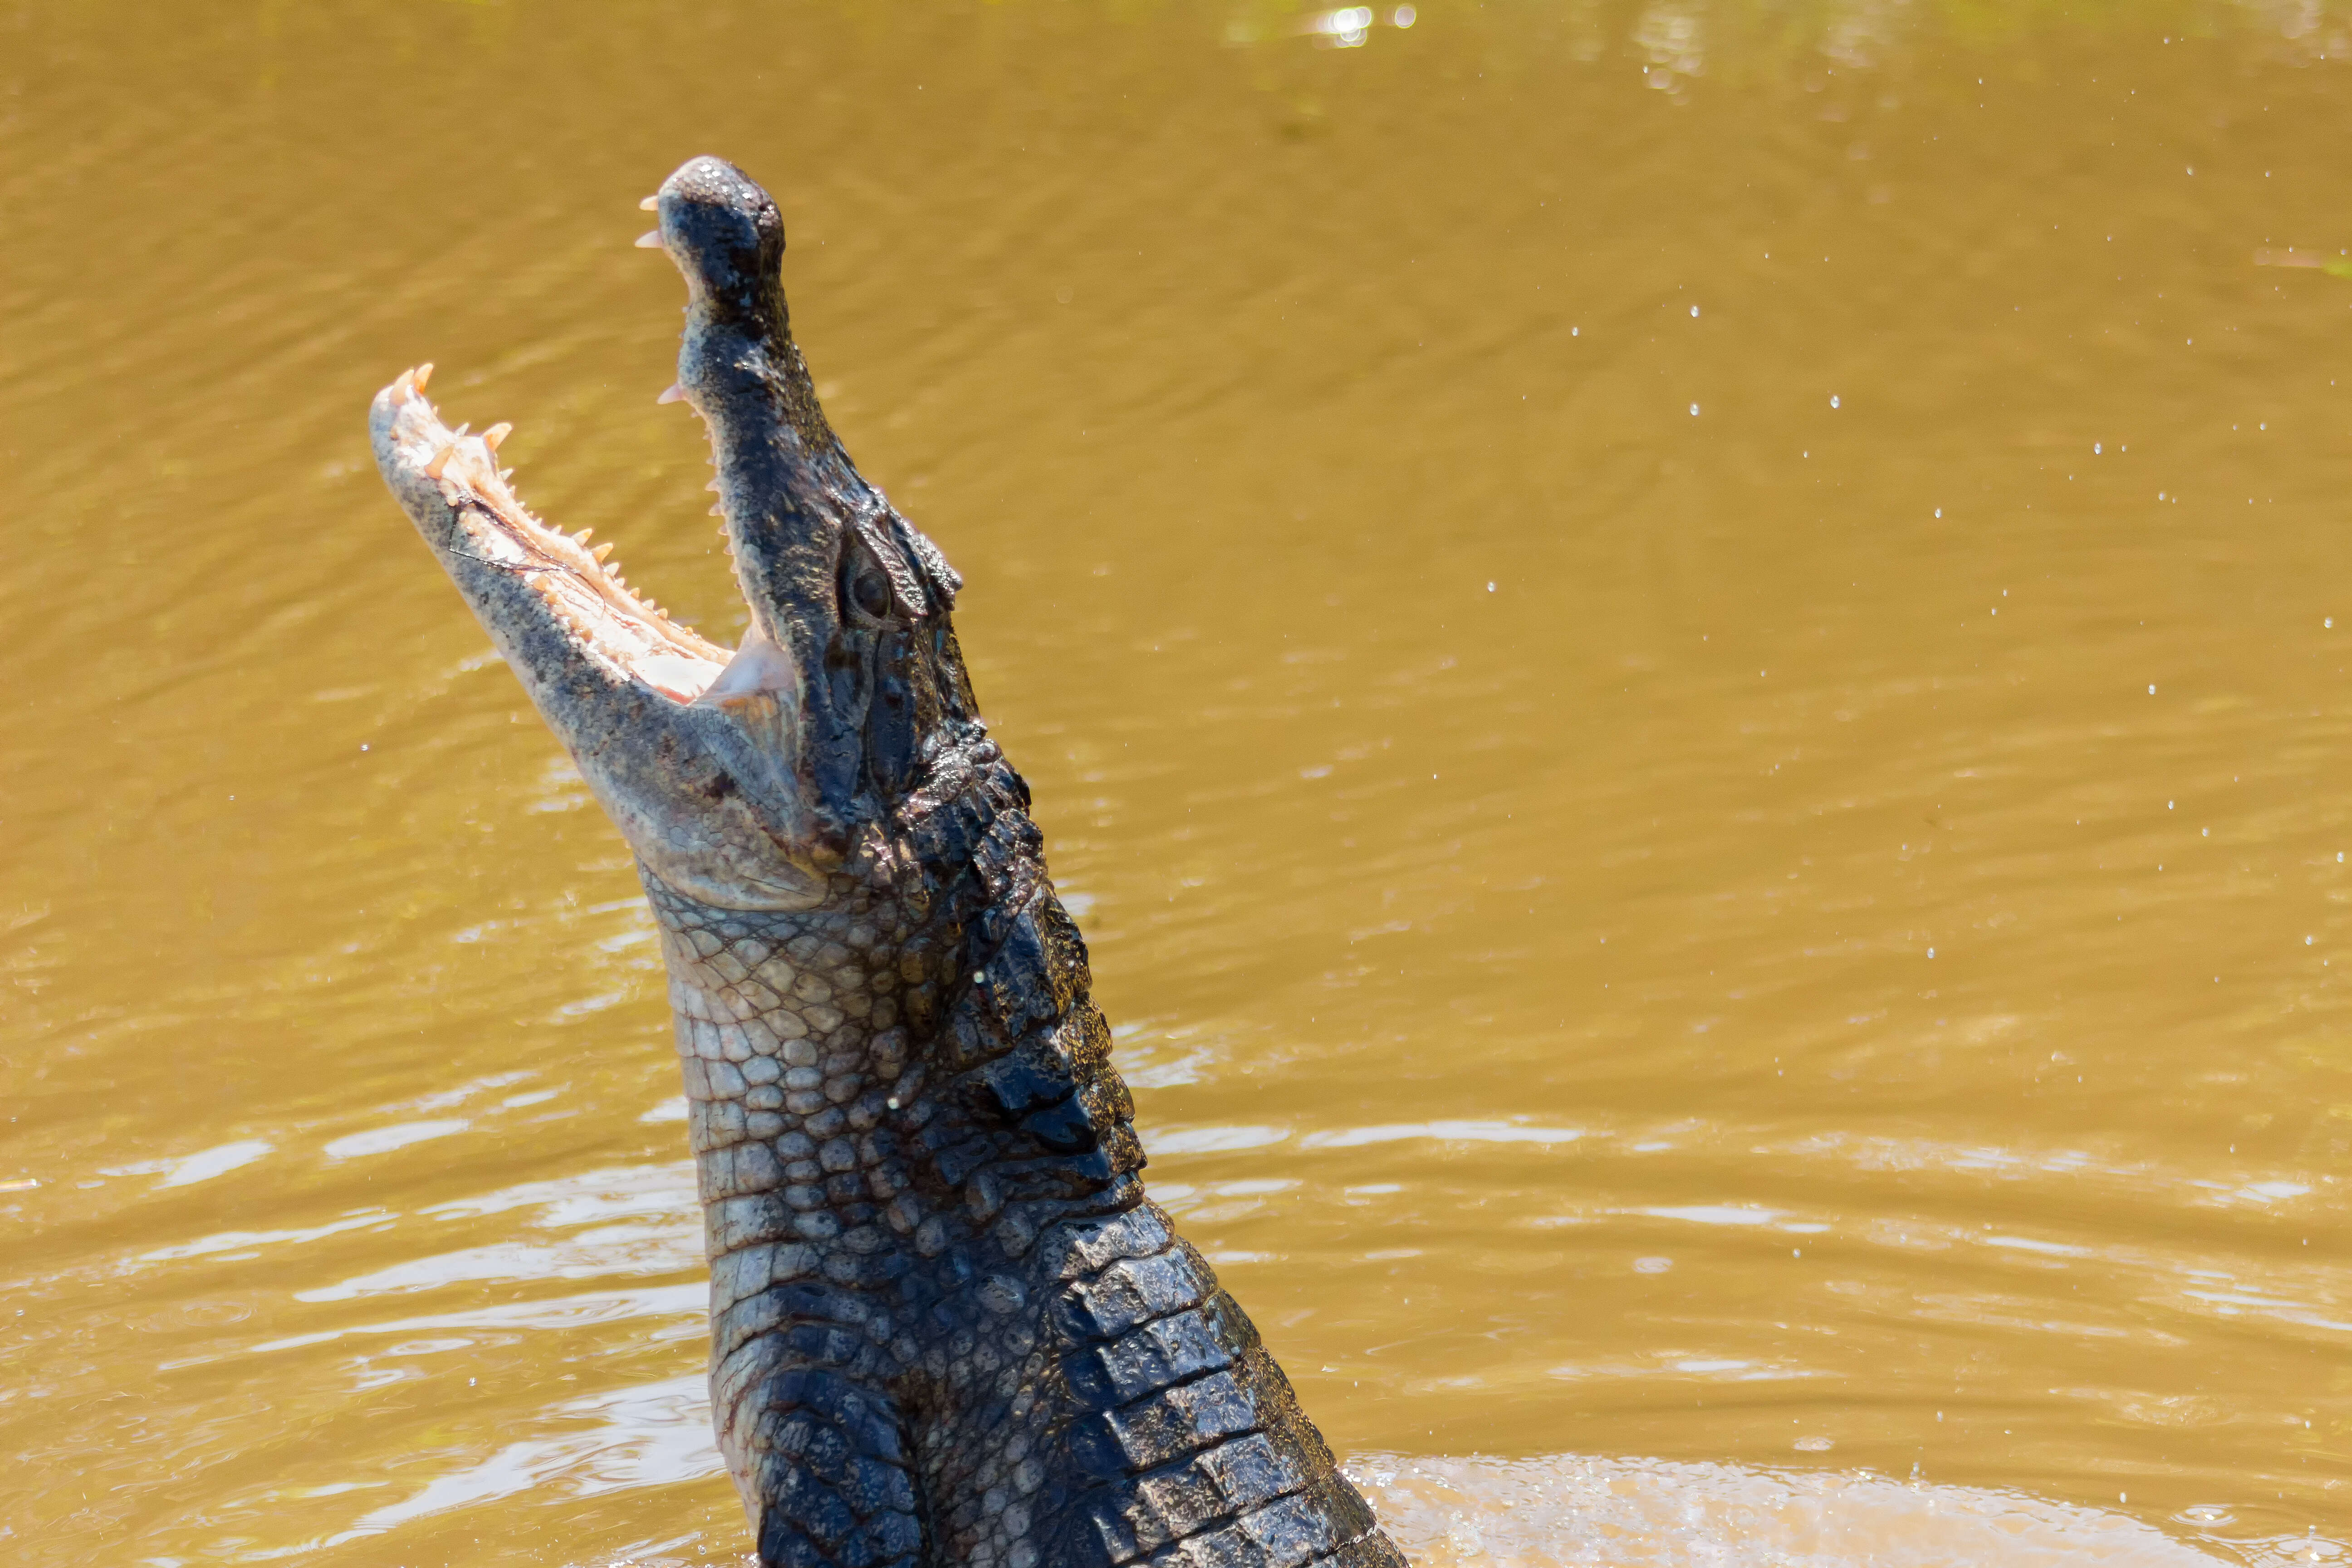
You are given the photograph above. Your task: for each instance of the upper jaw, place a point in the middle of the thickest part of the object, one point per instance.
(838, 584)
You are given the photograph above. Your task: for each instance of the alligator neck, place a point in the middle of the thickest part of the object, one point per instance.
(794, 1043)
(913, 1064)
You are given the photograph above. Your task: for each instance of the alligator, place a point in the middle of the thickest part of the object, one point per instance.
(947, 1324)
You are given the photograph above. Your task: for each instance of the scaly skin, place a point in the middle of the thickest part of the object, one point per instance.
(947, 1325)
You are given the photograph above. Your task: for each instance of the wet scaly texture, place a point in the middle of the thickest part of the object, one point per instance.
(1038, 1358)
(945, 1326)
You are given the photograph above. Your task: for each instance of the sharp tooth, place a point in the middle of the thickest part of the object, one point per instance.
(440, 461)
(424, 375)
(406, 383)
(651, 203)
(496, 434)
(713, 485)
(649, 240)
(601, 551)
(505, 474)
(673, 393)
(717, 510)
(460, 432)
(582, 537)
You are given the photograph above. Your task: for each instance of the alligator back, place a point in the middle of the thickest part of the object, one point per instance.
(947, 1327)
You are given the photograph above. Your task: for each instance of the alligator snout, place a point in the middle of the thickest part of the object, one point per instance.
(727, 237)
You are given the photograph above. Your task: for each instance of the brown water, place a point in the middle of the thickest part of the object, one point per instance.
(1679, 659)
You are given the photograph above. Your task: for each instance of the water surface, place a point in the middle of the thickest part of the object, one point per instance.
(1687, 664)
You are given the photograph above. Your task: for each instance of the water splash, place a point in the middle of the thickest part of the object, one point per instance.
(1568, 1511)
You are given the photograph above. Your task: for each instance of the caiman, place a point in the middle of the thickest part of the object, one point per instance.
(947, 1324)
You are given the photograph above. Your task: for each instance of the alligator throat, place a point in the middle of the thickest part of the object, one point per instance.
(947, 1324)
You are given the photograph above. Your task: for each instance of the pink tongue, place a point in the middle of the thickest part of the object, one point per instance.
(675, 674)
(758, 666)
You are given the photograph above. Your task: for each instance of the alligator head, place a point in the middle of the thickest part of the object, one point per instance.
(743, 780)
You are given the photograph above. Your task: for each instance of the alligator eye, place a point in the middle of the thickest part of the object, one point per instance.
(872, 594)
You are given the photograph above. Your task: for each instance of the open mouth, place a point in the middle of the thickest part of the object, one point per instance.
(582, 588)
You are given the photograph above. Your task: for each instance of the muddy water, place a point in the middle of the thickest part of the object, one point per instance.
(1688, 665)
